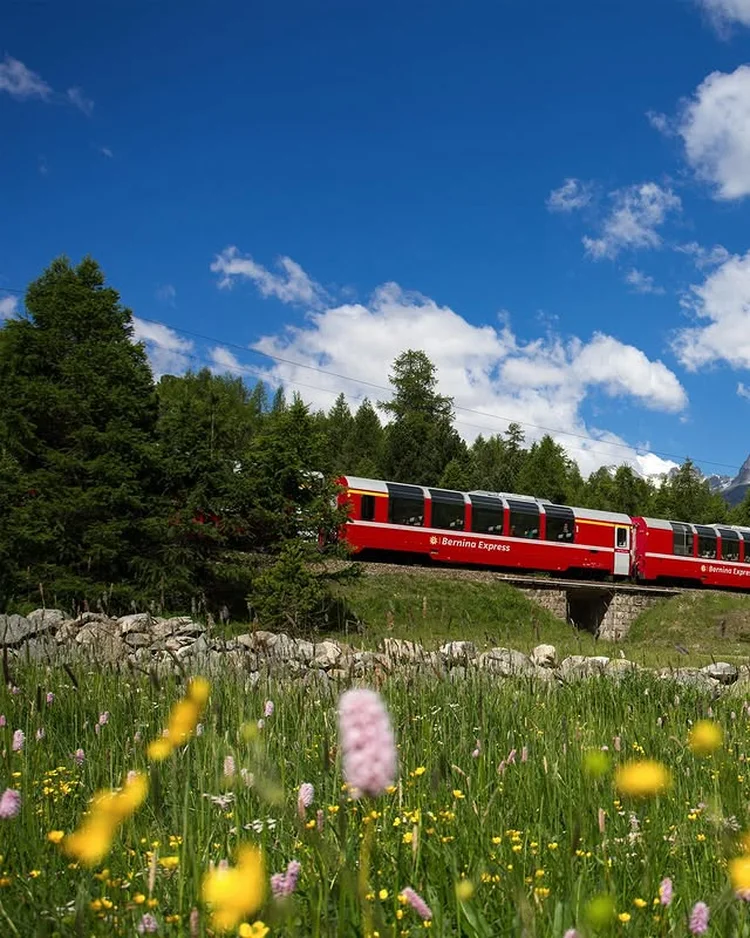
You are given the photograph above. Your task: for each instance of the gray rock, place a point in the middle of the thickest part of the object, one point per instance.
(49, 618)
(506, 662)
(326, 654)
(399, 649)
(544, 656)
(459, 652)
(138, 622)
(15, 629)
(691, 677)
(137, 639)
(579, 666)
(721, 671)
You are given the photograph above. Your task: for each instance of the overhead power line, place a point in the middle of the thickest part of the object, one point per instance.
(593, 443)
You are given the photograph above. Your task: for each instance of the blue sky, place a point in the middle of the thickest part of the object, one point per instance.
(551, 200)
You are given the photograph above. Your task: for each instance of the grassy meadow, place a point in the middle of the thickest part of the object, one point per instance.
(505, 816)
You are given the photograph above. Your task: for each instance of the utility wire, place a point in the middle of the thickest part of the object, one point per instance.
(380, 387)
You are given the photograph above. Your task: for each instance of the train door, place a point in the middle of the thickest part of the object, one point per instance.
(622, 551)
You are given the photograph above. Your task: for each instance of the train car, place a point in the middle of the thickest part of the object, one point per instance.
(494, 529)
(715, 555)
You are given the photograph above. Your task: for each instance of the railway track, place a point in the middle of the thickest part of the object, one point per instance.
(530, 580)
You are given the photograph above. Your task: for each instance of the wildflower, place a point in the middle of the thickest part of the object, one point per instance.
(624, 917)
(104, 718)
(229, 767)
(18, 740)
(93, 839)
(643, 778)
(699, 919)
(182, 720)
(284, 884)
(319, 820)
(148, 924)
(40, 733)
(268, 709)
(367, 742)
(476, 751)
(417, 903)
(305, 797)
(665, 891)
(524, 754)
(10, 803)
(261, 724)
(464, 890)
(739, 873)
(50, 697)
(571, 933)
(705, 737)
(54, 837)
(235, 892)
(3, 721)
(256, 930)
(79, 756)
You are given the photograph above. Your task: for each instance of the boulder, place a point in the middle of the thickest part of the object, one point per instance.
(544, 656)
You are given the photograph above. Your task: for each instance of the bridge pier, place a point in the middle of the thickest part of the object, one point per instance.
(605, 610)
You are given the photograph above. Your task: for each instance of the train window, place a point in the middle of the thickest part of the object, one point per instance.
(560, 523)
(406, 510)
(524, 519)
(730, 544)
(622, 537)
(683, 540)
(706, 542)
(487, 515)
(746, 539)
(447, 510)
(367, 509)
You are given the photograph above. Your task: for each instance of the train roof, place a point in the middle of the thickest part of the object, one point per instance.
(662, 524)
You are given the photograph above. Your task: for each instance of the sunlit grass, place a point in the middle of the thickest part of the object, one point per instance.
(505, 818)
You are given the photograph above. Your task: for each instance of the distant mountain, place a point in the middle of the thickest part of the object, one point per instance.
(733, 489)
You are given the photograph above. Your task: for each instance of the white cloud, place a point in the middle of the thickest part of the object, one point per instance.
(660, 122)
(743, 391)
(105, 151)
(20, 82)
(8, 307)
(715, 128)
(225, 361)
(704, 257)
(167, 293)
(723, 300)
(168, 353)
(79, 100)
(484, 368)
(723, 12)
(642, 283)
(291, 286)
(638, 211)
(571, 195)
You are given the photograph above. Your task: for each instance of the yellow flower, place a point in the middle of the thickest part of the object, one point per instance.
(383, 894)
(256, 930)
(183, 720)
(93, 839)
(739, 873)
(705, 737)
(236, 892)
(624, 917)
(643, 778)
(640, 903)
(169, 863)
(464, 890)
(54, 837)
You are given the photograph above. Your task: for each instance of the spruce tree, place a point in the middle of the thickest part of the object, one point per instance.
(78, 413)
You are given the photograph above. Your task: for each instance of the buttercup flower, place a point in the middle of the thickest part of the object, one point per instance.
(236, 892)
(705, 737)
(643, 778)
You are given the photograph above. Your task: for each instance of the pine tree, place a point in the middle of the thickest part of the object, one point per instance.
(363, 447)
(78, 414)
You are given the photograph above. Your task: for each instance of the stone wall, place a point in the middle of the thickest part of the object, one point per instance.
(623, 609)
(554, 600)
(146, 644)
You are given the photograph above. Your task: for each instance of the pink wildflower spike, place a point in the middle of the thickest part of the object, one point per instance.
(511, 759)
(284, 884)
(525, 754)
(229, 767)
(665, 891)
(50, 697)
(18, 741)
(699, 919)
(79, 756)
(10, 803)
(602, 820)
(417, 903)
(617, 743)
(319, 820)
(571, 933)
(268, 709)
(148, 925)
(367, 743)
(501, 768)
(305, 797)
(3, 721)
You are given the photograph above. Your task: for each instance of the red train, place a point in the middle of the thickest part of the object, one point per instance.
(497, 529)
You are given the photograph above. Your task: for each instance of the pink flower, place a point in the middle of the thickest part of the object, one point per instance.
(665, 891)
(104, 718)
(305, 797)
(148, 924)
(229, 767)
(268, 709)
(10, 803)
(417, 903)
(18, 740)
(284, 884)
(79, 756)
(50, 696)
(367, 742)
(699, 919)
(525, 754)
(571, 933)
(3, 721)
(475, 753)
(319, 820)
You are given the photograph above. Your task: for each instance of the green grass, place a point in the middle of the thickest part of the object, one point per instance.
(688, 630)
(536, 841)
